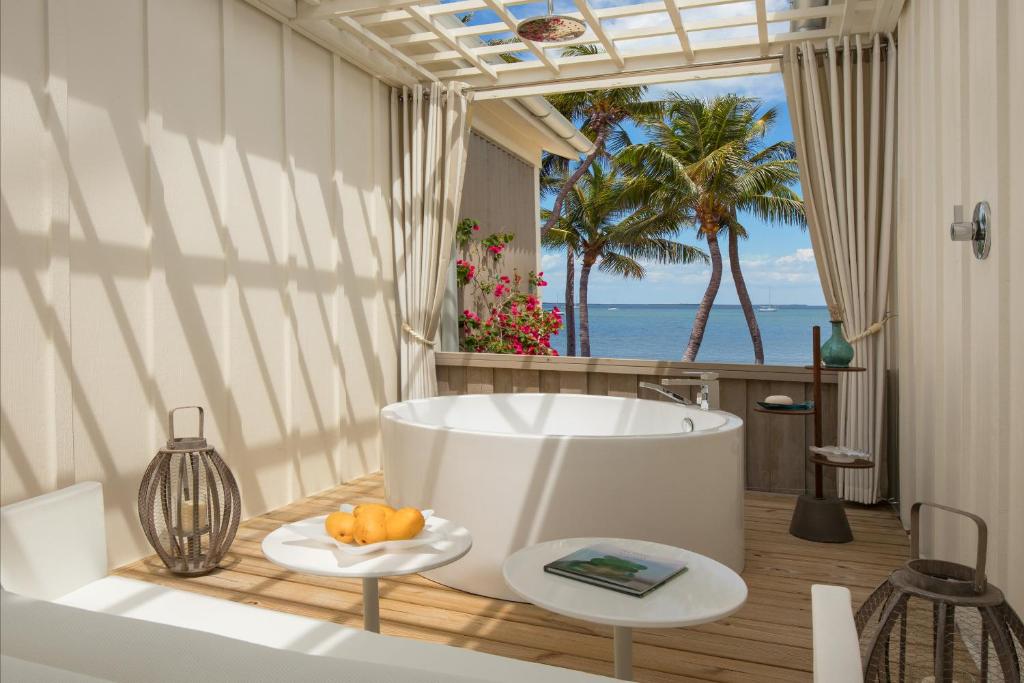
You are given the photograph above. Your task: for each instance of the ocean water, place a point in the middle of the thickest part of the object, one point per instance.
(661, 331)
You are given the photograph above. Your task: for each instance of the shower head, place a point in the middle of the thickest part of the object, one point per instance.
(551, 27)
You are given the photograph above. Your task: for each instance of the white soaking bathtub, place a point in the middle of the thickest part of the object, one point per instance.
(518, 469)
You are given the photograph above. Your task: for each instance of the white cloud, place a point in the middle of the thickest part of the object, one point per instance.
(549, 261)
(767, 88)
(798, 256)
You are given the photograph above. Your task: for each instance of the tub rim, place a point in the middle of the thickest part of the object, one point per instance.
(389, 412)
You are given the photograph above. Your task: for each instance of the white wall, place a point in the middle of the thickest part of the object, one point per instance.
(961, 324)
(192, 213)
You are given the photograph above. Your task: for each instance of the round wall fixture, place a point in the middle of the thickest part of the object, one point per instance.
(551, 27)
(978, 231)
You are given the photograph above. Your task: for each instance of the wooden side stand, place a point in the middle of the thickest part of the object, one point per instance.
(820, 518)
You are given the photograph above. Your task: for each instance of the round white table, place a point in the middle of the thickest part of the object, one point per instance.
(706, 591)
(291, 550)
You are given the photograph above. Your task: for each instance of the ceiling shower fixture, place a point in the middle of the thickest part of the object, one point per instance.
(550, 27)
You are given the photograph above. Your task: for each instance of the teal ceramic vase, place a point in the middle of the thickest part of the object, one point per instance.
(836, 351)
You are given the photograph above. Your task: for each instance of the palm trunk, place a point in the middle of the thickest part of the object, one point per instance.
(744, 297)
(700, 321)
(584, 310)
(556, 208)
(570, 302)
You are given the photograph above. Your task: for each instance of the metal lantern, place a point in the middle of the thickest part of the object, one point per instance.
(939, 621)
(189, 503)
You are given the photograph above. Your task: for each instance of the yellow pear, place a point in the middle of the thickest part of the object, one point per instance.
(373, 508)
(339, 526)
(404, 524)
(370, 528)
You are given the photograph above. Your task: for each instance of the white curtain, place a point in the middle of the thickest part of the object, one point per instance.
(429, 137)
(842, 106)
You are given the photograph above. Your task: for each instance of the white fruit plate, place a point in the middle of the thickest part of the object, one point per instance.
(313, 529)
(840, 454)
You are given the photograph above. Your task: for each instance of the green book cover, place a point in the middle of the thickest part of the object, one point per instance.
(609, 566)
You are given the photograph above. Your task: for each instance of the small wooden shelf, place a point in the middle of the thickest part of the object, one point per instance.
(858, 464)
(759, 409)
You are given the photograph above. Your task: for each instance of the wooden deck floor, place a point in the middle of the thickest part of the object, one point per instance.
(768, 640)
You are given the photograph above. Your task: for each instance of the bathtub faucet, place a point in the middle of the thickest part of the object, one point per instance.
(670, 395)
(707, 392)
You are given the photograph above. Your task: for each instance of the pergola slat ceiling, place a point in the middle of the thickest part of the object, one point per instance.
(430, 39)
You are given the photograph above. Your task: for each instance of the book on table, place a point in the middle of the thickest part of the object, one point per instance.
(609, 566)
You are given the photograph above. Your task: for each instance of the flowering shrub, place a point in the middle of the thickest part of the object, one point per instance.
(515, 321)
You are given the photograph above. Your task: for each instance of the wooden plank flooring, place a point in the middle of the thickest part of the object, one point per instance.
(768, 640)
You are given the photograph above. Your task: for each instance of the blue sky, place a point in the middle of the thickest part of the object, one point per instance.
(775, 257)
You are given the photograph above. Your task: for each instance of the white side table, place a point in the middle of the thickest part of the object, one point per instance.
(707, 591)
(291, 550)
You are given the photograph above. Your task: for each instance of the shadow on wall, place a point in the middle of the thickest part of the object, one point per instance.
(237, 284)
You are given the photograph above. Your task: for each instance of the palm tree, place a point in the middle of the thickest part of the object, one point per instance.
(717, 151)
(600, 115)
(609, 224)
(553, 172)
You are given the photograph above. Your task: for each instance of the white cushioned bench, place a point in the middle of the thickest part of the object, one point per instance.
(64, 619)
(836, 646)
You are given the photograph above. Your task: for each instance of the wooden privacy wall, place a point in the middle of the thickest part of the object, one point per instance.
(195, 211)
(776, 447)
(500, 193)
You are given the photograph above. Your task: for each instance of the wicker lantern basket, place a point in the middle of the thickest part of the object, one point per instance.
(940, 622)
(189, 503)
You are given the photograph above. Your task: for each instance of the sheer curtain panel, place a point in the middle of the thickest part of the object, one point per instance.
(842, 106)
(429, 135)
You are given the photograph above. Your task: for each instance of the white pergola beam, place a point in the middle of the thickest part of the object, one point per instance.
(627, 80)
(498, 7)
(594, 22)
(463, 7)
(331, 8)
(376, 43)
(676, 18)
(762, 26)
(844, 21)
(451, 41)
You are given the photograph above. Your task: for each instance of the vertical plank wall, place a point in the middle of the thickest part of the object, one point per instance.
(776, 446)
(500, 192)
(961, 324)
(192, 214)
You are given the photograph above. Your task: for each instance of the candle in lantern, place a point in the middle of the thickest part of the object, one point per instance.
(193, 516)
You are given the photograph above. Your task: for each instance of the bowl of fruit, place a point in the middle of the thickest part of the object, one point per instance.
(371, 527)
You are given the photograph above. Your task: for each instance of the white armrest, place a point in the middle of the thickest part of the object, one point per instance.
(836, 646)
(54, 543)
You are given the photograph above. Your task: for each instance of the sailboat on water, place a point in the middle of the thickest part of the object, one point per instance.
(769, 308)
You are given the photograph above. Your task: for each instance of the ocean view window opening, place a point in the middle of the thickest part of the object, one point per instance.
(679, 236)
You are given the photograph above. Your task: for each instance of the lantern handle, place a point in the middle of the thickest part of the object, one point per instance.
(170, 419)
(915, 538)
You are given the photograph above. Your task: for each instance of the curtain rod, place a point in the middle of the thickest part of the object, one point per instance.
(664, 69)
